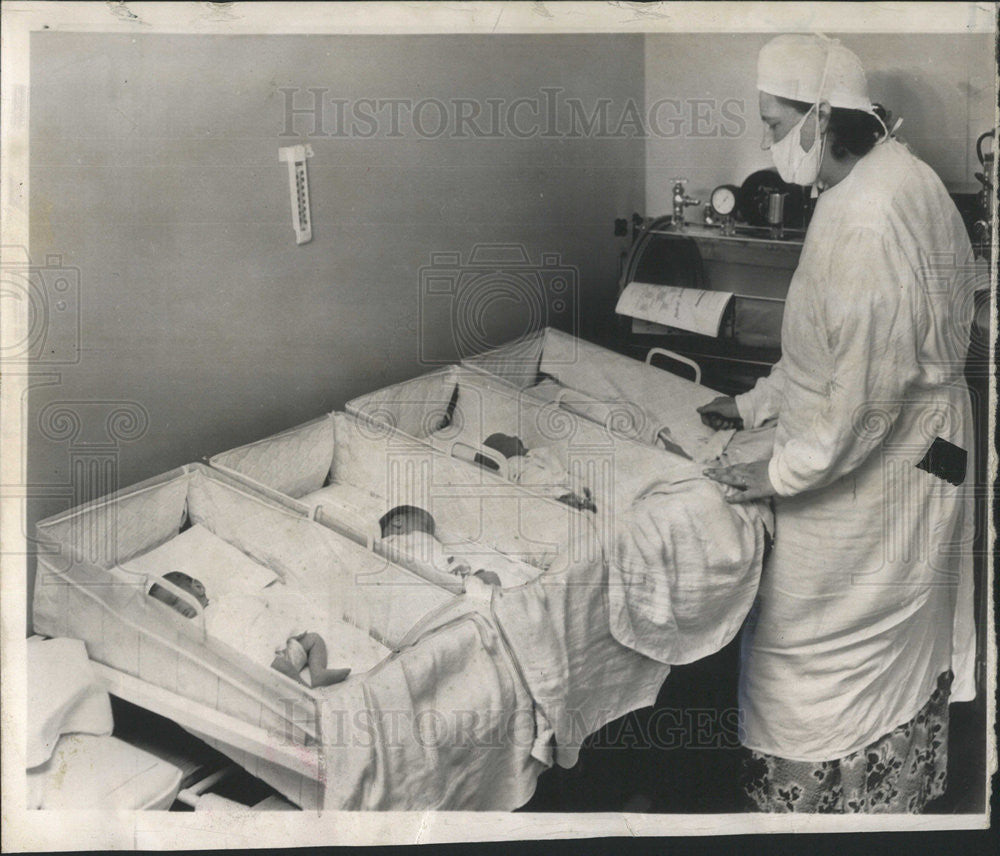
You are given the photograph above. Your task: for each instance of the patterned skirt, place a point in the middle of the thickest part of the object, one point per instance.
(900, 772)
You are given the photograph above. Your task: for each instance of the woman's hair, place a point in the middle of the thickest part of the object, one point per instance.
(852, 132)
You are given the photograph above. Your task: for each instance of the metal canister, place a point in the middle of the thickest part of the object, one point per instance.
(776, 213)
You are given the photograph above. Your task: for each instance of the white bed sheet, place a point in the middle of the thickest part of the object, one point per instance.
(64, 696)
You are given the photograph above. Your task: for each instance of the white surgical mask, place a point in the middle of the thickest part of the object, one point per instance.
(796, 165)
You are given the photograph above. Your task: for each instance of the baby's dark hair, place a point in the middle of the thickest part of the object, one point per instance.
(178, 578)
(184, 582)
(508, 445)
(419, 517)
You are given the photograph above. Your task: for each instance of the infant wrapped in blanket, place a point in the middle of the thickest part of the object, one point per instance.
(271, 627)
(408, 538)
(539, 468)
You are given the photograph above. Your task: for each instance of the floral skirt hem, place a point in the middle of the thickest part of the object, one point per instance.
(900, 772)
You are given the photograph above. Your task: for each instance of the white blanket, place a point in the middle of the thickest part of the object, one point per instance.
(64, 696)
(685, 570)
(580, 676)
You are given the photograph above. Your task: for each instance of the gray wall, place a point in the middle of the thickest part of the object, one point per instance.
(155, 179)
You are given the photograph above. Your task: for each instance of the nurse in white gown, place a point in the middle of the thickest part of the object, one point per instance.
(863, 623)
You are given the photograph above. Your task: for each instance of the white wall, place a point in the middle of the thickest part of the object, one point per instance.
(942, 85)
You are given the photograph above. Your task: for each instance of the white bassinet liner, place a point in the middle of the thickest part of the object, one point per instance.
(197, 552)
(80, 593)
(364, 471)
(352, 507)
(632, 398)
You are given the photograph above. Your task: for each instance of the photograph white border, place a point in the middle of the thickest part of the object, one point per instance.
(23, 830)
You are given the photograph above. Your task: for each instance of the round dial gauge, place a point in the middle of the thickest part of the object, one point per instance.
(724, 199)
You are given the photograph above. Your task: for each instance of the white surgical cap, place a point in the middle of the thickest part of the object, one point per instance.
(793, 67)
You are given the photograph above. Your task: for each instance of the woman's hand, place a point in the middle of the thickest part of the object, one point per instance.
(750, 480)
(721, 413)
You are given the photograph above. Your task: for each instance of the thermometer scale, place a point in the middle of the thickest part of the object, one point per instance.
(298, 186)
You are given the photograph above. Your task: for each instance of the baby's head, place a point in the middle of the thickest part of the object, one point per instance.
(404, 519)
(183, 581)
(506, 445)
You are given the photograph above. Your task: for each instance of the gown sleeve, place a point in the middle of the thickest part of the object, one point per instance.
(868, 312)
(762, 402)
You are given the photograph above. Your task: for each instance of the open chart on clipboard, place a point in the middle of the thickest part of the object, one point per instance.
(692, 309)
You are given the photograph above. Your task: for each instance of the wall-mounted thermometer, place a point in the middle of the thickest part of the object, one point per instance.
(298, 186)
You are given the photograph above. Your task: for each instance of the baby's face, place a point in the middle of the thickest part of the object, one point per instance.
(191, 586)
(196, 588)
(404, 524)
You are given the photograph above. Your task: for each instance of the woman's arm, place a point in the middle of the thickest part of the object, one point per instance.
(871, 331)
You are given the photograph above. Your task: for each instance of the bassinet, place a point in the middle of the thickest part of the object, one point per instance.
(556, 623)
(444, 721)
(631, 398)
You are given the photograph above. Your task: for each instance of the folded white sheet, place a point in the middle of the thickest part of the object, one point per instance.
(91, 772)
(685, 570)
(64, 696)
(221, 567)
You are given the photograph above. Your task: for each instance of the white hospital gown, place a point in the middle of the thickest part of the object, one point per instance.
(867, 595)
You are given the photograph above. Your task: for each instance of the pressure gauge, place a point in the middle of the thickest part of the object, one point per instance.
(723, 199)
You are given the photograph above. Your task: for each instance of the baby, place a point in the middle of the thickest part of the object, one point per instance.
(411, 530)
(250, 622)
(538, 467)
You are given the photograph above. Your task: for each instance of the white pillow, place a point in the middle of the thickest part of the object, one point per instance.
(197, 552)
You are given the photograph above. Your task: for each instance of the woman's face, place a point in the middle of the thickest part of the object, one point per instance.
(779, 119)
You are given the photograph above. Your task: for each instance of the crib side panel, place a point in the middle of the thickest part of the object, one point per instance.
(349, 580)
(516, 362)
(115, 528)
(660, 398)
(415, 407)
(294, 462)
